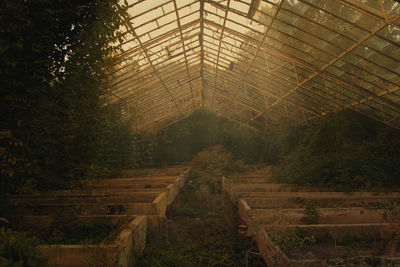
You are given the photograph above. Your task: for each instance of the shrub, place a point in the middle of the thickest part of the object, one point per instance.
(17, 249)
(346, 152)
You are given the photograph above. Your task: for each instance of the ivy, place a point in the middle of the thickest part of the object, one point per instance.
(55, 127)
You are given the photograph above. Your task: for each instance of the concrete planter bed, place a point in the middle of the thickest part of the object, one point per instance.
(136, 204)
(156, 225)
(170, 171)
(132, 182)
(322, 202)
(308, 198)
(263, 190)
(255, 217)
(247, 179)
(236, 187)
(327, 215)
(170, 189)
(142, 182)
(135, 186)
(128, 244)
(329, 245)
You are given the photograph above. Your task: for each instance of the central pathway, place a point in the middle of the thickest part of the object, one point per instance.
(202, 231)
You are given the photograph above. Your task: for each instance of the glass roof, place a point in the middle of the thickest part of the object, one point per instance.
(258, 61)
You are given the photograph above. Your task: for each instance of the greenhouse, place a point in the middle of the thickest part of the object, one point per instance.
(200, 133)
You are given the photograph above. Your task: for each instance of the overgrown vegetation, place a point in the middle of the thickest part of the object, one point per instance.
(345, 151)
(203, 225)
(19, 249)
(311, 215)
(201, 130)
(292, 239)
(55, 127)
(75, 232)
(299, 239)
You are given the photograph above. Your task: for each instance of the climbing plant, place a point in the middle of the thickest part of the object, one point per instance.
(55, 127)
(345, 151)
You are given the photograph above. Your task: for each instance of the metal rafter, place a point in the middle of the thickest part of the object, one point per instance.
(347, 51)
(201, 36)
(260, 44)
(129, 25)
(316, 71)
(219, 50)
(288, 78)
(184, 51)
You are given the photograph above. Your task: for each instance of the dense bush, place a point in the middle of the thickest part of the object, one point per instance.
(207, 168)
(55, 127)
(201, 130)
(345, 151)
(17, 249)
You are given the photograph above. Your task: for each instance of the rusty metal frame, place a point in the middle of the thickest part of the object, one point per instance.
(280, 79)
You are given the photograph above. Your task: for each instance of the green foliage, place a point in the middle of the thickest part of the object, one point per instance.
(217, 250)
(201, 130)
(365, 241)
(311, 215)
(346, 152)
(200, 232)
(70, 232)
(147, 151)
(207, 168)
(302, 240)
(17, 249)
(292, 239)
(217, 161)
(55, 128)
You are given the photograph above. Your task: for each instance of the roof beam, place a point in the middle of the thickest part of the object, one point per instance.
(367, 10)
(279, 53)
(361, 90)
(201, 36)
(184, 51)
(260, 43)
(219, 50)
(129, 26)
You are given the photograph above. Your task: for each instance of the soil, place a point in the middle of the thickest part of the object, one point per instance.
(340, 253)
(202, 231)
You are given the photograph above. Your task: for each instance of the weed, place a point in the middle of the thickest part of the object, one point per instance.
(203, 225)
(65, 231)
(18, 249)
(311, 215)
(292, 239)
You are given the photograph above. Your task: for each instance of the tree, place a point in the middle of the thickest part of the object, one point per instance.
(53, 55)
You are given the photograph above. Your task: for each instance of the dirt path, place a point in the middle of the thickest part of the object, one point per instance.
(202, 231)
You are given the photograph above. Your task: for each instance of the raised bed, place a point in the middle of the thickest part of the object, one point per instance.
(170, 171)
(322, 201)
(235, 187)
(255, 217)
(156, 225)
(235, 191)
(120, 182)
(152, 203)
(123, 251)
(170, 189)
(329, 245)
